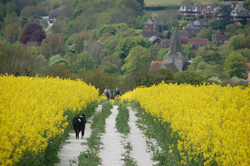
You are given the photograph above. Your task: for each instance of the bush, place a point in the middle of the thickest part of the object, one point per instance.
(189, 77)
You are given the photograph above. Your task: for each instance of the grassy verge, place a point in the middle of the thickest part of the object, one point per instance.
(162, 132)
(91, 157)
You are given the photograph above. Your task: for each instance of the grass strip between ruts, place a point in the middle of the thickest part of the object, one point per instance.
(91, 157)
(123, 127)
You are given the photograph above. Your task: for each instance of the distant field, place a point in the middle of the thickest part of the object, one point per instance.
(56, 0)
(169, 2)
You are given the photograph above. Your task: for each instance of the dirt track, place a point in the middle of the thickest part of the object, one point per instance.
(113, 144)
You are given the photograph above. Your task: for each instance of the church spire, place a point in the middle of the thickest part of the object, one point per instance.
(175, 46)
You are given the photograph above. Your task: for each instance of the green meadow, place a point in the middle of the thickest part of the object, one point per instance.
(170, 2)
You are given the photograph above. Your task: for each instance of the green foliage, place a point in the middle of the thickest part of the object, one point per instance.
(123, 47)
(108, 67)
(81, 62)
(187, 50)
(15, 59)
(195, 63)
(233, 28)
(156, 77)
(239, 41)
(11, 33)
(106, 29)
(182, 23)
(160, 53)
(98, 79)
(79, 43)
(235, 65)
(205, 33)
(137, 57)
(189, 77)
(122, 120)
(142, 41)
(234, 81)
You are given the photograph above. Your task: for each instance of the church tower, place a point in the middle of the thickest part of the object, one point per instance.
(175, 60)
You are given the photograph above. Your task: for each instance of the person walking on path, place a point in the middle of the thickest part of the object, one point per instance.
(116, 92)
(107, 93)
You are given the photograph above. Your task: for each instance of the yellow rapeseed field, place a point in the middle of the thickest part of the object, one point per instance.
(31, 112)
(211, 120)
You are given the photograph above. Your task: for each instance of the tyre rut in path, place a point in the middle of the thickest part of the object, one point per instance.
(113, 145)
(73, 147)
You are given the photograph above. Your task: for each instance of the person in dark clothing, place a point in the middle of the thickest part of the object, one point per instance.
(116, 92)
(107, 93)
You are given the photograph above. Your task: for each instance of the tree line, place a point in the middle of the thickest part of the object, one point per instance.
(99, 42)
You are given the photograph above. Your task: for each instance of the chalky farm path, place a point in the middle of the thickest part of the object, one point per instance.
(113, 144)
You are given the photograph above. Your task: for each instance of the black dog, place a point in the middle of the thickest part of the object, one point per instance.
(79, 125)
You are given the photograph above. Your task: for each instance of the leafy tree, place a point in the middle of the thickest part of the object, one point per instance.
(210, 70)
(22, 4)
(23, 20)
(128, 32)
(87, 34)
(212, 57)
(195, 63)
(59, 27)
(95, 49)
(205, 33)
(137, 57)
(183, 23)
(189, 77)
(123, 47)
(34, 11)
(141, 2)
(133, 80)
(66, 12)
(79, 43)
(2, 12)
(98, 79)
(52, 45)
(239, 41)
(115, 60)
(160, 53)
(59, 70)
(225, 12)
(106, 29)
(15, 59)
(247, 4)
(142, 41)
(82, 62)
(104, 37)
(108, 67)
(134, 5)
(235, 65)
(233, 28)
(11, 33)
(187, 50)
(37, 36)
(33, 33)
(156, 77)
(10, 19)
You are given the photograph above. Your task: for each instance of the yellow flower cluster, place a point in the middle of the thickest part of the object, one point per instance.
(211, 120)
(31, 112)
